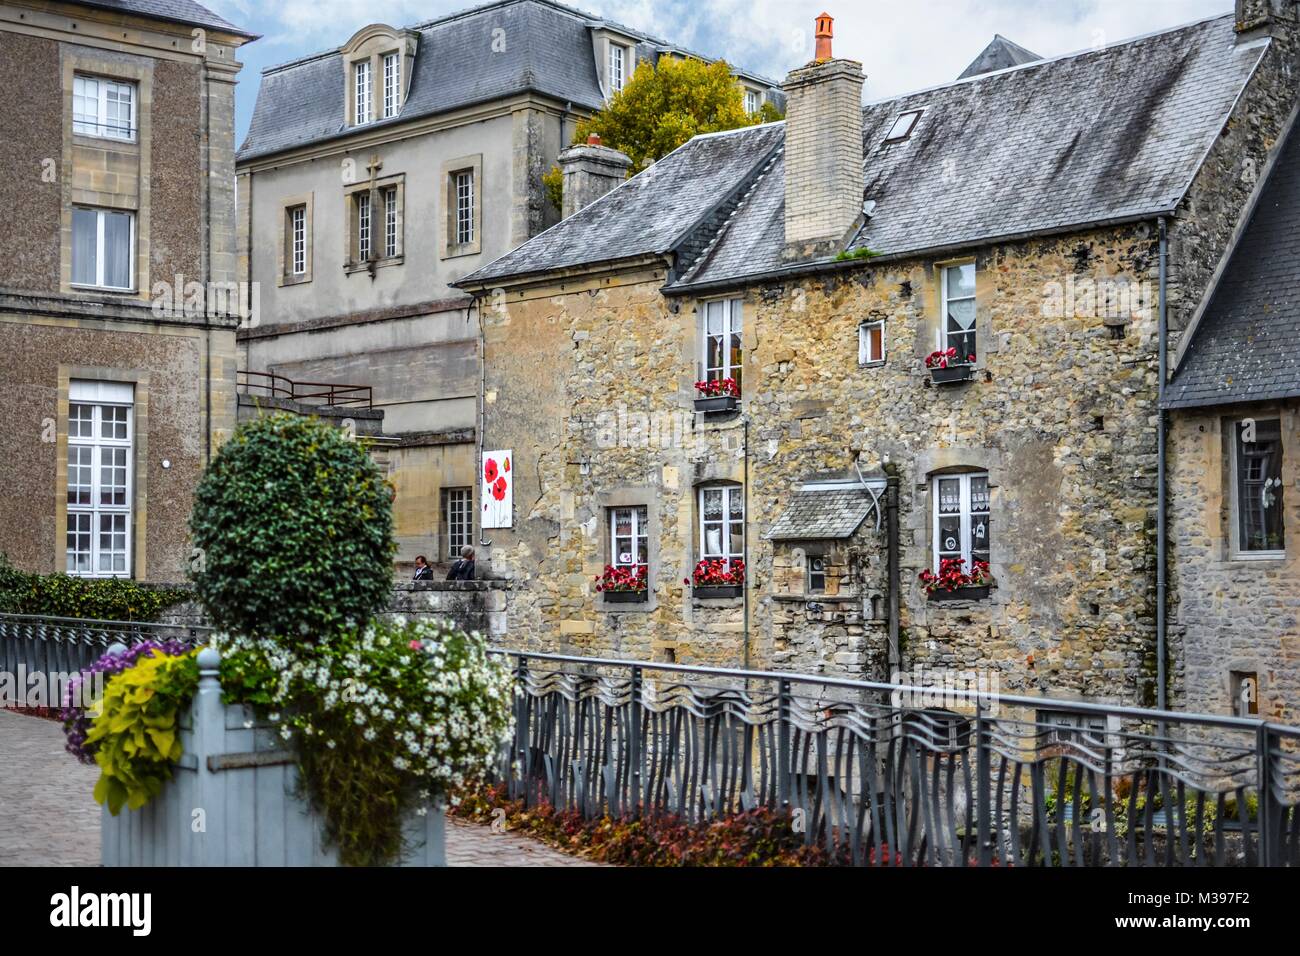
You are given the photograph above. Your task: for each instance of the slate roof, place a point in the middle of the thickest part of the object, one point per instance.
(822, 515)
(1244, 347)
(1100, 136)
(649, 214)
(548, 51)
(1001, 54)
(177, 11)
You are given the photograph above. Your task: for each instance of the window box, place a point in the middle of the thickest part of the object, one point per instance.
(625, 597)
(951, 374)
(978, 592)
(717, 403)
(713, 592)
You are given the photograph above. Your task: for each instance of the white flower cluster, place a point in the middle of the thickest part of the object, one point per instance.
(427, 693)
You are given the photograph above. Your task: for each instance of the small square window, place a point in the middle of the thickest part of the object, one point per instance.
(871, 342)
(816, 573)
(1245, 693)
(903, 126)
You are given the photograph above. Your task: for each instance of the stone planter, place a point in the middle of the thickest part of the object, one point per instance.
(233, 801)
(713, 592)
(625, 597)
(972, 593)
(717, 403)
(951, 374)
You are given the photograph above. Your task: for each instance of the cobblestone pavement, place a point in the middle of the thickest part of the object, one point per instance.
(48, 817)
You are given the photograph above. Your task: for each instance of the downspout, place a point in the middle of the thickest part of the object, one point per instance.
(476, 307)
(891, 530)
(745, 591)
(1161, 529)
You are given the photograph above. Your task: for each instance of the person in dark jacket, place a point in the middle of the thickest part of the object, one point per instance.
(463, 569)
(422, 570)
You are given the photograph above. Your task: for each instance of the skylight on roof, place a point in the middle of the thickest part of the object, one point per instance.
(903, 126)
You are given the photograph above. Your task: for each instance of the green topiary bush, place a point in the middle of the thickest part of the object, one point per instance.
(295, 529)
(62, 595)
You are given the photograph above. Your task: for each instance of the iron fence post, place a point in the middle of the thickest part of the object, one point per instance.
(518, 776)
(783, 743)
(984, 848)
(634, 748)
(1264, 778)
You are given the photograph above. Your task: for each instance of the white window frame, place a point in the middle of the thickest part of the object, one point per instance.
(98, 396)
(753, 101)
(1238, 552)
(99, 283)
(390, 222)
(98, 127)
(365, 236)
(458, 503)
(731, 313)
(463, 181)
(640, 532)
(363, 92)
(392, 84)
(298, 240)
(944, 299)
(864, 342)
(729, 493)
(618, 57)
(968, 520)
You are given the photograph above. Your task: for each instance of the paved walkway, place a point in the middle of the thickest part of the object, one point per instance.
(48, 817)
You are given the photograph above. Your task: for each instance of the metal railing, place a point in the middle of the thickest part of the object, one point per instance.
(987, 781)
(279, 386)
(67, 645)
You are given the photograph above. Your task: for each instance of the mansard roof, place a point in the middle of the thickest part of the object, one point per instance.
(1101, 136)
(175, 11)
(1243, 349)
(497, 50)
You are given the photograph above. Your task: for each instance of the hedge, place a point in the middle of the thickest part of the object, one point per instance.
(61, 595)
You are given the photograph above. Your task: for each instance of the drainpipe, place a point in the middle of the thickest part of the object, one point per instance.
(1161, 530)
(745, 590)
(892, 482)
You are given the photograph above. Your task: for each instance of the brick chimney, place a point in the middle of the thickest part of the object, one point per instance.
(590, 171)
(823, 152)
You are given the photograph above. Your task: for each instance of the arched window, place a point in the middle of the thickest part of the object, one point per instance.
(961, 518)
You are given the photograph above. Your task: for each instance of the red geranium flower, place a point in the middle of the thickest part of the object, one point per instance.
(490, 470)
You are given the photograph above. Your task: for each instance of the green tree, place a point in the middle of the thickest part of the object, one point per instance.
(663, 106)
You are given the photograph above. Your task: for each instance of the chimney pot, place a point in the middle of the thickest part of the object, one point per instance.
(824, 34)
(593, 139)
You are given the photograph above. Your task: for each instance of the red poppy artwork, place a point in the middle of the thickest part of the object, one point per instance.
(497, 490)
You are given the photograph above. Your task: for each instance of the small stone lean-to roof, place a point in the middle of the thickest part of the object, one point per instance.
(1243, 349)
(823, 514)
(176, 11)
(1101, 136)
(548, 50)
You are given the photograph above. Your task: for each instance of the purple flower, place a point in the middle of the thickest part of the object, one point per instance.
(76, 722)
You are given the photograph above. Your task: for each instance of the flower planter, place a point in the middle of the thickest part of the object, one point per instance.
(625, 597)
(953, 373)
(712, 592)
(972, 593)
(244, 781)
(717, 403)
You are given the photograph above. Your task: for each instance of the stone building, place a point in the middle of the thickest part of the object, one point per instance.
(1027, 219)
(117, 305)
(1234, 492)
(374, 175)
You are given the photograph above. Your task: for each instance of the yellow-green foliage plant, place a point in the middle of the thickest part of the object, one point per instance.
(137, 728)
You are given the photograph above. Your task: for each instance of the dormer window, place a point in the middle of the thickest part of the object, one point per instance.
(362, 90)
(617, 67)
(903, 126)
(392, 83)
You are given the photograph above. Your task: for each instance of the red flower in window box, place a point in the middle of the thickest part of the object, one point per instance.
(952, 576)
(717, 572)
(623, 578)
(719, 388)
(943, 358)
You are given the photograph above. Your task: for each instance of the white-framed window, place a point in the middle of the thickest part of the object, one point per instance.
(961, 518)
(99, 487)
(464, 181)
(721, 323)
(722, 522)
(392, 84)
(458, 519)
(617, 67)
(871, 342)
(1257, 488)
(629, 537)
(753, 101)
(363, 226)
(390, 221)
(958, 326)
(103, 246)
(103, 107)
(364, 106)
(298, 240)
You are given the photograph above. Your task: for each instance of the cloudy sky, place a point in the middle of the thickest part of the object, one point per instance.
(904, 45)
